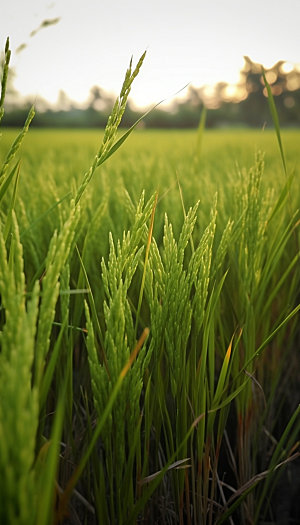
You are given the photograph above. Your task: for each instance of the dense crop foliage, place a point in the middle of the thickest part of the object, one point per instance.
(149, 364)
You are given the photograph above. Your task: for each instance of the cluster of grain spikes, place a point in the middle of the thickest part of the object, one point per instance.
(29, 453)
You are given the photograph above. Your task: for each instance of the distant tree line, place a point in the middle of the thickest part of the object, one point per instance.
(243, 104)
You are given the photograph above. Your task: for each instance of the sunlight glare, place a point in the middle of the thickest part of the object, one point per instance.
(287, 67)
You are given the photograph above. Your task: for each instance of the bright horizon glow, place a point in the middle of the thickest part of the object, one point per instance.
(198, 42)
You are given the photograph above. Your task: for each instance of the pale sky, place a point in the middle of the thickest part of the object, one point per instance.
(198, 42)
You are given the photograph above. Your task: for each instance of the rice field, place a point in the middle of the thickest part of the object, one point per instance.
(149, 299)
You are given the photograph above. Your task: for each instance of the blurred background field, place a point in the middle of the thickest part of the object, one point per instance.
(152, 160)
(171, 162)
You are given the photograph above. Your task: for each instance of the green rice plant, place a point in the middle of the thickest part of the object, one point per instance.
(261, 252)
(5, 66)
(4, 176)
(109, 144)
(275, 119)
(183, 299)
(8, 174)
(22, 479)
(24, 401)
(119, 340)
(19, 399)
(57, 257)
(19, 408)
(62, 507)
(210, 396)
